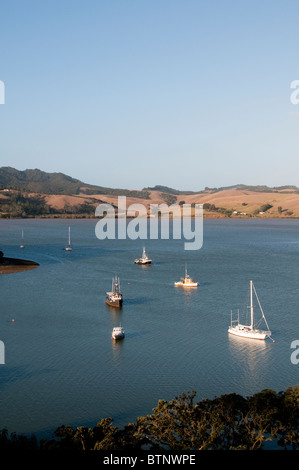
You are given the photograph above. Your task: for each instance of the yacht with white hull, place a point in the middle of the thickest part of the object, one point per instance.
(250, 331)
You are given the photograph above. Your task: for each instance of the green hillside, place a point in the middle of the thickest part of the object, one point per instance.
(37, 181)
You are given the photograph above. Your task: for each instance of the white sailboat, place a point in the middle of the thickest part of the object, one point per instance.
(22, 240)
(250, 331)
(68, 247)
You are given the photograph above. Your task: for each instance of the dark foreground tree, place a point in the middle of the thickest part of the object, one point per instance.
(224, 423)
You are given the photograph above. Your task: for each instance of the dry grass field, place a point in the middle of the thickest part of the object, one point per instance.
(241, 203)
(236, 203)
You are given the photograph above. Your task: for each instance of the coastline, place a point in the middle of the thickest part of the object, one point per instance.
(205, 216)
(15, 265)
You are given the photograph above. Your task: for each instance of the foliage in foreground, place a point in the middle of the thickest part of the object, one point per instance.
(227, 422)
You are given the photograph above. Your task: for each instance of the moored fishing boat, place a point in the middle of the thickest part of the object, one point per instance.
(114, 298)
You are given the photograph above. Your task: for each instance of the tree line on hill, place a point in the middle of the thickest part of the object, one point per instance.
(37, 181)
(227, 422)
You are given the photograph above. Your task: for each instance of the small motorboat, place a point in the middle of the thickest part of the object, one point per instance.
(118, 332)
(186, 281)
(144, 259)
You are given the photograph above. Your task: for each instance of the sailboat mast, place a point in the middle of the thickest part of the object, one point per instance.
(251, 306)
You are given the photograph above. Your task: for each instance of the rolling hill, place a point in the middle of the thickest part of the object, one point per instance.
(35, 193)
(37, 181)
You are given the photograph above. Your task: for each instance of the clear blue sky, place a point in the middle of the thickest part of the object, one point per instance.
(134, 93)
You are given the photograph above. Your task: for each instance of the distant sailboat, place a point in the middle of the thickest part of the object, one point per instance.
(22, 240)
(250, 331)
(68, 247)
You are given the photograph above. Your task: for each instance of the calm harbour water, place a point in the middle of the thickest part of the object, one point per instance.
(62, 366)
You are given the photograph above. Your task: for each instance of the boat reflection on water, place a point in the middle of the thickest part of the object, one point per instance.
(117, 348)
(249, 360)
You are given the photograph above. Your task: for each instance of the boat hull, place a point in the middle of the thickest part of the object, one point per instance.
(182, 284)
(118, 337)
(118, 333)
(138, 261)
(248, 333)
(114, 302)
